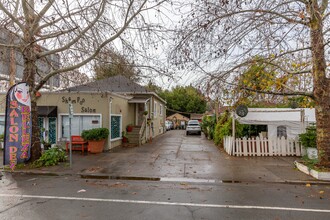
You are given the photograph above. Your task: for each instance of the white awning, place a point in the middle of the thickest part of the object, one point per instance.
(138, 100)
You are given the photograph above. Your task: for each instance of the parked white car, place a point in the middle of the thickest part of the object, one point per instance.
(168, 125)
(193, 127)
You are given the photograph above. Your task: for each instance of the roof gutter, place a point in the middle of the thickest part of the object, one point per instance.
(148, 93)
(87, 92)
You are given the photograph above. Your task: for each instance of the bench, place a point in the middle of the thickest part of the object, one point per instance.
(77, 140)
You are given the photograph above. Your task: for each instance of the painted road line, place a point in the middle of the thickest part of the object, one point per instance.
(166, 203)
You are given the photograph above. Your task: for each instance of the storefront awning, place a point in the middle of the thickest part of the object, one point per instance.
(47, 111)
(138, 100)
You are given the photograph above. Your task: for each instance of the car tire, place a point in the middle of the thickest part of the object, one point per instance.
(187, 133)
(200, 133)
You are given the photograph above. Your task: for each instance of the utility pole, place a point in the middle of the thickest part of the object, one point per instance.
(217, 110)
(70, 118)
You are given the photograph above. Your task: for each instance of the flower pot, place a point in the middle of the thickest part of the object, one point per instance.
(129, 128)
(125, 140)
(96, 146)
(312, 153)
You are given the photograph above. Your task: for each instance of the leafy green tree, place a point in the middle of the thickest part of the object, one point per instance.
(224, 128)
(157, 89)
(185, 99)
(208, 125)
(113, 64)
(259, 76)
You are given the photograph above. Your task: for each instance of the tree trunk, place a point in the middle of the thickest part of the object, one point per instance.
(321, 85)
(323, 123)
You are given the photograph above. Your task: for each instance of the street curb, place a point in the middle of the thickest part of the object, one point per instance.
(112, 177)
(40, 173)
(166, 180)
(213, 181)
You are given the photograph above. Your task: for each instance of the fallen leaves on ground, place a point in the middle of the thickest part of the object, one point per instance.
(118, 185)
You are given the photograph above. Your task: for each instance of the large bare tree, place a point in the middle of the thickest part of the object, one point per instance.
(220, 39)
(75, 30)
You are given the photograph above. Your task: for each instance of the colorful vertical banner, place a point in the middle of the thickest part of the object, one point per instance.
(18, 125)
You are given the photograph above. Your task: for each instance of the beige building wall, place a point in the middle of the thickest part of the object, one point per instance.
(83, 104)
(120, 106)
(2, 103)
(159, 115)
(102, 104)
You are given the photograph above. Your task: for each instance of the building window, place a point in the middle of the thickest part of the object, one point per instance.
(281, 131)
(79, 123)
(160, 109)
(116, 125)
(52, 130)
(2, 124)
(155, 109)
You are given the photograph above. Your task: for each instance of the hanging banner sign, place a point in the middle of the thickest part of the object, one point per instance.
(18, 125)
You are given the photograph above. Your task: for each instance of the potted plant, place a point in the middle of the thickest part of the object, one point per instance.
(124, 139)
(129, 128)
(46, 144)
(145, 113)
(96, 138)
(124, 136)
(308, 140)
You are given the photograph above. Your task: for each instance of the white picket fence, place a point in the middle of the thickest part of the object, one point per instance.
(262, 146)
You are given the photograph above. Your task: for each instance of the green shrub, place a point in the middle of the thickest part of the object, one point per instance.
(208, 125)
(50, 157)
(308, 139)
(222, 130)
(95, 134)
(225, 127)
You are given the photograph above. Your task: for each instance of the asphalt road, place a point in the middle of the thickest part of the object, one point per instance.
(24, 196)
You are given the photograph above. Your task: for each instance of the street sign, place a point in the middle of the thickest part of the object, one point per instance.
(242, 110)
(70, 110)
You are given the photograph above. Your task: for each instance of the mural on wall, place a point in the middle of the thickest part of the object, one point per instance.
(18, 125)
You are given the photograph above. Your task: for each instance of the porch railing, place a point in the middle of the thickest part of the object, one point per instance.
(142, 131)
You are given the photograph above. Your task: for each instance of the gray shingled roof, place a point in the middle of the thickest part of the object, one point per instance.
(119, 84)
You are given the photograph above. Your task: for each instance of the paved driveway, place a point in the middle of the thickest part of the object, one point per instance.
(175, 156)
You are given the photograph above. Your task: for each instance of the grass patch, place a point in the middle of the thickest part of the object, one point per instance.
(314, 164)
(50, 157)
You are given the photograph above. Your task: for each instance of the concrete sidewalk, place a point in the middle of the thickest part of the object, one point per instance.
(177, 157)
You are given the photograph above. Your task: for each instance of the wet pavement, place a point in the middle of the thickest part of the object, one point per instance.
(176, 157)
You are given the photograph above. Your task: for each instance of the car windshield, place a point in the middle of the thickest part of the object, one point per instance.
(193, 123)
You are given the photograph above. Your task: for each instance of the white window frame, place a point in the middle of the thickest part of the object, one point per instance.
(160, 109)
(59, 136)
(120, 129)
(155, 109)
(4, 126)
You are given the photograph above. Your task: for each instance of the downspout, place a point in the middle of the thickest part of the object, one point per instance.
(110, 107)
(233, 131)
(302, 120)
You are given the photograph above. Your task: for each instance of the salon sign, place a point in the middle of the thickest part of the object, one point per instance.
(18, 125)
